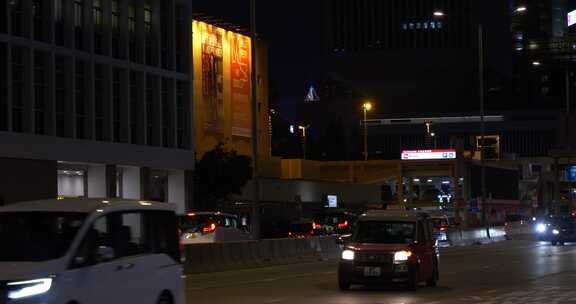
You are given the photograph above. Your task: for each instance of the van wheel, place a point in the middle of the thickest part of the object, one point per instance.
(561, 243)
(344, 285)
(553, 243)
(165, 298)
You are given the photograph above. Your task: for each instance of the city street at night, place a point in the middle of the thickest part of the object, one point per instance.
(507, 272)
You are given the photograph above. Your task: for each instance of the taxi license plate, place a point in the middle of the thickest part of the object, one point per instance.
(372, 271)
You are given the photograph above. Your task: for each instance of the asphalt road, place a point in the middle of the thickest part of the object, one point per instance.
(508, 272)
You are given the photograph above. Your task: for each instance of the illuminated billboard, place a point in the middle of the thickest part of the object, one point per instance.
(572, 18)
(429, 154)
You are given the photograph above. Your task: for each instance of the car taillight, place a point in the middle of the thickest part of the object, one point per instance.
(443, 228)
(343, 225)
(209, 229)
(317, 226)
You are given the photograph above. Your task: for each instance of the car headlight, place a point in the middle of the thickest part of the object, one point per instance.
(24, 289)
(541, 228)
(555, 231)
(348, 255)
(402, 256)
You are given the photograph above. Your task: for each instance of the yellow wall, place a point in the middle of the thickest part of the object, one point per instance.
(205, 140)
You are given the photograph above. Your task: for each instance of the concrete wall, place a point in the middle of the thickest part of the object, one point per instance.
(177, 190)
(96, 181)
(131, 183)
(23, 180)
(277, 190)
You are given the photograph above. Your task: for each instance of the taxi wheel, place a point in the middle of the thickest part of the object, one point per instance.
(413, 280)
(553, 243)
(561, 243)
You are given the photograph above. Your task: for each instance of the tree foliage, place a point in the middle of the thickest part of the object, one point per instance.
(220, 173)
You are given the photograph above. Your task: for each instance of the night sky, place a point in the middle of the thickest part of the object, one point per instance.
(293, 31)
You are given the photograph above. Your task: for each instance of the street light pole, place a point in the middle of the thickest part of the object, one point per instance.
(255, 213)
(482, 124)
(367, 106)
(304, 128)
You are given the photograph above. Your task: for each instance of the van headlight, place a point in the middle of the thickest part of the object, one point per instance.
(541, 228)
(555, 232)
(24, 289)
(402, 256)
(348, 255)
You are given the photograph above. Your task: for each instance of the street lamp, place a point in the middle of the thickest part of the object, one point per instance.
(303, 129)
(366, 107)
(438, 14)
(520, 9)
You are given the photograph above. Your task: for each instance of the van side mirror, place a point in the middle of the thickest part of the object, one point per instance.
(105, 254)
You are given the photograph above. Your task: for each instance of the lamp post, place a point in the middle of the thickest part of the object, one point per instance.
(304, 133)
(255, 212)
(366, 107)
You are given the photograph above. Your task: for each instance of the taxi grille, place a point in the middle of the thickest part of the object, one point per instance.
(374, 258)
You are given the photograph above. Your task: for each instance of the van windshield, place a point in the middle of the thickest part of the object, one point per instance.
(379, 232)
(37, 236)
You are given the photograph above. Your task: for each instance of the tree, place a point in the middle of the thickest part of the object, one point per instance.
(220, 173)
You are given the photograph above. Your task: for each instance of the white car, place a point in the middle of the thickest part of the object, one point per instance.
(90, 252)
(211, 227)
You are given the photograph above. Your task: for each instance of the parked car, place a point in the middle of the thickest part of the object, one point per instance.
(390, 247)
(334, 222)
(441, 225)
(516, 224)
(90, 252)
(301, 229)
(211, 227)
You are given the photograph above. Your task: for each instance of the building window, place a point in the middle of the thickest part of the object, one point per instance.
(165, 23)
(60, 96)
(16, 12)
(80, 108)
(58, 22)
(134, 109)
(78, 23)
(18, 89)
(180, 114)
(116, 106)
(147, 17)
(98, 13)
(99, 99)
(149, 109)
(166, 105)
(3, 87)
(115, 15)
(39, 92)
(132, 17)
(98, 26)
(38, 11)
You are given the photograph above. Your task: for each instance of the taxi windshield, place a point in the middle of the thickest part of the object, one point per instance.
(380, 232)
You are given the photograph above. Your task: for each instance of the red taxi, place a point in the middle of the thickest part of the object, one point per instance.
(389, 247)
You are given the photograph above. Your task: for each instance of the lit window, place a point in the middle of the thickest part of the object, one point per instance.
(426, 25)
(404, 26)
(439, 24)
(78, 13)
(411, 26)
(418, 25)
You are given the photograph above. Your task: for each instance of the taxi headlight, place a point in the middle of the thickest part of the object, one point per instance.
(348, 255)
(541, 228)
(555, 232)
(402, 256)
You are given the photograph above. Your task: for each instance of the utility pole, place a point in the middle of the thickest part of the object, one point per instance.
(482, 127)
(255, 218)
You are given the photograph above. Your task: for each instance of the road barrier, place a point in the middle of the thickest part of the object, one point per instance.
(214, 257)
(475, 236)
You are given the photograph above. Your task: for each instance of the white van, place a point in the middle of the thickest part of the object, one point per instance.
(90, 252)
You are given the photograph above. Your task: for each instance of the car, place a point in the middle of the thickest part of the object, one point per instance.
(301, 229)
(211, 227)
(562, 230)
(516, 224)
(441, 224)
(334, 222)
(390, 247)
(90, 252)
